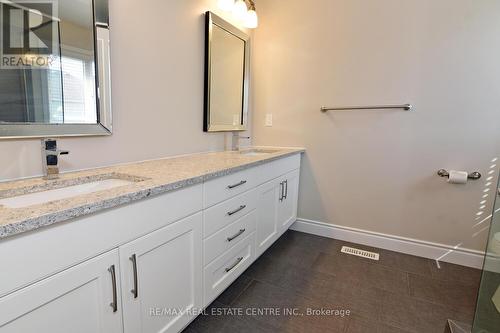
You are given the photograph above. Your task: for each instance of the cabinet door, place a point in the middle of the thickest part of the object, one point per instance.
(267, 226)
(84, 298)
(162, 278)
(287, 207)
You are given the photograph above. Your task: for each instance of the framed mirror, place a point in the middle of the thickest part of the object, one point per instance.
(54, 68)
(227, 56)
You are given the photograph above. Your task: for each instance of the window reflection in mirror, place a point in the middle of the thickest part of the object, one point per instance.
(63, 92)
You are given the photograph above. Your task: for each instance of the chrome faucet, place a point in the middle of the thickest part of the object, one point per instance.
(50, 158)
(235, 145)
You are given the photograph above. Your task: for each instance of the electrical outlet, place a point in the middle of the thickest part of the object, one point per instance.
(269, 119)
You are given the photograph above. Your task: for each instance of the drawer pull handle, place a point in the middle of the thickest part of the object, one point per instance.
(234, 265)
(229, 239)
(243, 182)
(239, 209)
(113, 304)
(286, 189)
(134, 291)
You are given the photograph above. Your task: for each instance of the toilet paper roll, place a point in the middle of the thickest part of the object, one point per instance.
(458, 177)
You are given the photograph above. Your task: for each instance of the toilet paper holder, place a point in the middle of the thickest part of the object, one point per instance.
(474, 175)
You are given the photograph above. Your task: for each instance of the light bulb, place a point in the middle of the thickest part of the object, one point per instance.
(226, 5)
(251, 19)
(240, 9)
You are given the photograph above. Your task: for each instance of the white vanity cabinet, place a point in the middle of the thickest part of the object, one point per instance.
(277, 202)
(161, 272)
(149, 266)
(288, 200)
(244, 214)
(267, 219)
(66, 285)
(160, 289)
(81, 299)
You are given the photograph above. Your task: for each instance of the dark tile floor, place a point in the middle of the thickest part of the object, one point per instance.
(398, 293)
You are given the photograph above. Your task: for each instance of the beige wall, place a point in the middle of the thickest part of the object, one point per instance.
(376, 170)
(157, 86)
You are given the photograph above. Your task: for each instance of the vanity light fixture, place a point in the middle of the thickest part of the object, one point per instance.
(243, 10)
(251, 19)
(226, 5)
(240, 9)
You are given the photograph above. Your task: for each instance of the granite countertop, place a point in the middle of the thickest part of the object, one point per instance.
(148, 178)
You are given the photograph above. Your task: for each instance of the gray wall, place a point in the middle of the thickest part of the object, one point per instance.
(376, 170)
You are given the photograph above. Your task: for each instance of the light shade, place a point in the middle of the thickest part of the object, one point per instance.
(226, 5)
(240, 9)
(251, 19)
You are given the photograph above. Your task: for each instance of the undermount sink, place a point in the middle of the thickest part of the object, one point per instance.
(59, 190)
(257, 152)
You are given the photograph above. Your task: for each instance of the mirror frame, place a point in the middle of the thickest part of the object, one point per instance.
(210, 20)
(103, 92)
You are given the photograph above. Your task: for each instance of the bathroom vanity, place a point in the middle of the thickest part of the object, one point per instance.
(142, 247)
(146, 255)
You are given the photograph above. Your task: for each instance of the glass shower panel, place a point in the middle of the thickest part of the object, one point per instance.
(487, 317)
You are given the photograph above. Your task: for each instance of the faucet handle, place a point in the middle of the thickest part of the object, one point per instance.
(50, 147)
(50, 144)
(50, 158)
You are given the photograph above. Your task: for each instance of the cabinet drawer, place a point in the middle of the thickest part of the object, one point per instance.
(225, 213)
(223, 188)
(224, 239)
(269, 171)
(219, 274)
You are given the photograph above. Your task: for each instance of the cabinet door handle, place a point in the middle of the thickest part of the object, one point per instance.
(281, 192)
(234, 265)
(134, 291)
(239, 209)
(286, 189)
(243, 182)
(113, 304)
(229, 239)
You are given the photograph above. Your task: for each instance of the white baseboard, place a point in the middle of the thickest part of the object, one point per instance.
(441, 252)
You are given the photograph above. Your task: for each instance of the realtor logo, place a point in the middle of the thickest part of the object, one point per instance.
(29, 33)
